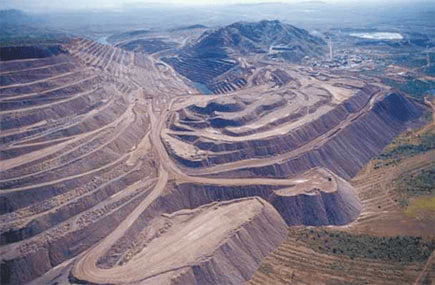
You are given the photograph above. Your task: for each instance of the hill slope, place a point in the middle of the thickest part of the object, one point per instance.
(258, 37)
(216, 52)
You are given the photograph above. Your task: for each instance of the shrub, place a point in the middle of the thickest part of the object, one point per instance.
(403, 249)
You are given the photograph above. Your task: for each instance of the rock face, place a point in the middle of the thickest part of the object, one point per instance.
(316, 198)
(73, 147)
(109, 169)
(235, 260)
(355, 129)
(353, 146)
(150, 45)
(215, 52)
(218, 243)
(258, 37)
(234, 120)
(26, 52)
(336, 204)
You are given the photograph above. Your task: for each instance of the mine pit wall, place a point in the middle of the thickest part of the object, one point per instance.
(64, 238)
(27, 267)
(291, 117)
(352, 147)
(236, 259)
(29, 76)
(98, 191)
(279, 144)
(336, 208)
(16, 66)
(239, 257)
(366, 137)
(240, 121)
(50, 96)
(46, 221)
(76, 127)
(77, 106)
(19, 199)
(29, 52)
(43, 86)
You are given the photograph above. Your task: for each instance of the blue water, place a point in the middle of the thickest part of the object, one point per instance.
(202, 88)
(103, 40)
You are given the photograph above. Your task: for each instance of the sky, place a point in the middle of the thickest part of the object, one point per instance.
(38, 5)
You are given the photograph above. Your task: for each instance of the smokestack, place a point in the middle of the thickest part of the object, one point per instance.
(427, 56)
(330, 49)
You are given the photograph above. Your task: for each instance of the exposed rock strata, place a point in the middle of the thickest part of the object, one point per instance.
(313, 206)
(346, 152)
(218, 243)
(102, 147)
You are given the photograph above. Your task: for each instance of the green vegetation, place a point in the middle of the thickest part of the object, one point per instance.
(420, 183)
(415, 184)
(415, 88)
(404, 249)
(334, 281)
(403, 146)
(18, 29)
(422, 205)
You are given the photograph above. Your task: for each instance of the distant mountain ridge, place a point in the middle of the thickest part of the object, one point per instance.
(242, 38)
(217, 52)
(18, 28)
(123, 36)
(13, 16)
(191, 27)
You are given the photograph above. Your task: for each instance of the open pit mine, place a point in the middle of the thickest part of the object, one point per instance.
(115, 169)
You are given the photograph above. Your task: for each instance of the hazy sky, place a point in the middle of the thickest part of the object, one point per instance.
(38, 5)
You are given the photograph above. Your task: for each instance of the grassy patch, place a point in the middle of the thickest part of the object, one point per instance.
(417, 184)
(409, 144)
(404, 249)
(415, 88)
(421, 206)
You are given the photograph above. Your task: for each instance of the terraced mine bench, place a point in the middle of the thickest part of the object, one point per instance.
(112, 171)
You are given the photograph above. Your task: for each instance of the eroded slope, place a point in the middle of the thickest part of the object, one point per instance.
(107, 160)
